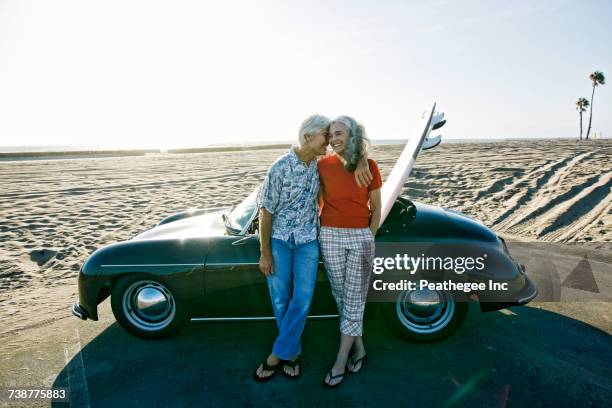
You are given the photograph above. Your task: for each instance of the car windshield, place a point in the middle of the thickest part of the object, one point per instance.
(239, 217)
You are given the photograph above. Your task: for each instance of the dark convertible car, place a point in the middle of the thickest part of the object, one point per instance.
(202, 265)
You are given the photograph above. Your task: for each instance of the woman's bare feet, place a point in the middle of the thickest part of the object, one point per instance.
(358, 353)
(334, 376)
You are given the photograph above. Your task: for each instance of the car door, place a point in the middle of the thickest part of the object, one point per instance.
(233, 284)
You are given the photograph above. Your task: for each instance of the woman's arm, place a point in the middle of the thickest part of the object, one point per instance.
(375, 207)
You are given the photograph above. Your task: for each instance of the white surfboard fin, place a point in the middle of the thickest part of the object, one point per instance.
(437, 118)
(438, 125)
(431, 141)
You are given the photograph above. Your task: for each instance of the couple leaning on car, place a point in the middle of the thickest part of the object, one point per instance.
(346, 186)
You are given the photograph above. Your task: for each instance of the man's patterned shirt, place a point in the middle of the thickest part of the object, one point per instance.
(289, 193)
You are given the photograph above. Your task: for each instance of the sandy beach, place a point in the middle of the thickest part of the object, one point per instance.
(54, 213)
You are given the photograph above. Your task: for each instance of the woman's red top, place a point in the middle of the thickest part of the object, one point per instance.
(344, 204)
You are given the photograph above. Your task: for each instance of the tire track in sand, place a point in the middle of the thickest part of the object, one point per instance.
(569, 217)
(523, 190)
(544, 198)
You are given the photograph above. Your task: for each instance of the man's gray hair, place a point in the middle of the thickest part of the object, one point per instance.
(312, 125)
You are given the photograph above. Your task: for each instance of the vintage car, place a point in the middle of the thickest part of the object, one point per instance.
(202, 265)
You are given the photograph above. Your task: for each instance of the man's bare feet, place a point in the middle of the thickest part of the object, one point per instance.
(292, 368)
(272, 361)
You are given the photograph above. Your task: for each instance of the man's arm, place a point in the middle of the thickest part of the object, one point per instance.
(363, 175)
(320, 196)
(375, 209)
(266, 262)
(269, 199)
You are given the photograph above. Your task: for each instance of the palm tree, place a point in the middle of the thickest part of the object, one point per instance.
(581, 106)
(598, 78)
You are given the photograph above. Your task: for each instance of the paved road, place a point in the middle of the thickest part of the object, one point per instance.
(526, 357)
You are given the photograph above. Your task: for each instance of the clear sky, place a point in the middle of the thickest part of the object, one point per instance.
(175, 73)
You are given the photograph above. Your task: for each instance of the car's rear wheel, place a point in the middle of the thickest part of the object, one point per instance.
(425, 315)
(147, 307)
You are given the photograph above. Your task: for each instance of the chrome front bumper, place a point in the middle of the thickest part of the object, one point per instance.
(524, 296)
(529, 292)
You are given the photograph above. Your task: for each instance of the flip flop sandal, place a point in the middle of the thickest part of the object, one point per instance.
(354, 362)
(266, 367)
(333, 377)
(292, 364)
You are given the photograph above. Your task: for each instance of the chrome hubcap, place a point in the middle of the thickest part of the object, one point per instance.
(425, 311)
(149, 305)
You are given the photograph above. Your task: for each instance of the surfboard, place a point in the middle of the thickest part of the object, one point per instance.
(393, 185)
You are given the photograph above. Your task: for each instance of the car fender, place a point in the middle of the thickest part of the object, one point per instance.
(178, 262)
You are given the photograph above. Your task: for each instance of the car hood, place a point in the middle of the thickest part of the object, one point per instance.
(200, 226)
(431, 222)
(469, 225)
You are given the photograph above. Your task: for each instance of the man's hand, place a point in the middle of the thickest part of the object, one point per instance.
(266, 264)
(363, 176)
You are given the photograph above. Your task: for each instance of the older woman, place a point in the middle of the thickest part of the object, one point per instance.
(350, 216)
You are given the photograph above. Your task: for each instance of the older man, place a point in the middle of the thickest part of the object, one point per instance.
(288, 227)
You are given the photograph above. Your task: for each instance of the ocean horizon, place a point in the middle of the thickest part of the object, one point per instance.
(375, 142)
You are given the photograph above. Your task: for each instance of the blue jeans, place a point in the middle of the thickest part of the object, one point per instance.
(291, 287)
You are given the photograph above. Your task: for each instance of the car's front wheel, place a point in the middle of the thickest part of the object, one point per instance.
(425, 315)
(147, 307)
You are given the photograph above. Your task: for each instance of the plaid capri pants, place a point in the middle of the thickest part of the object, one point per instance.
(348, 254)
